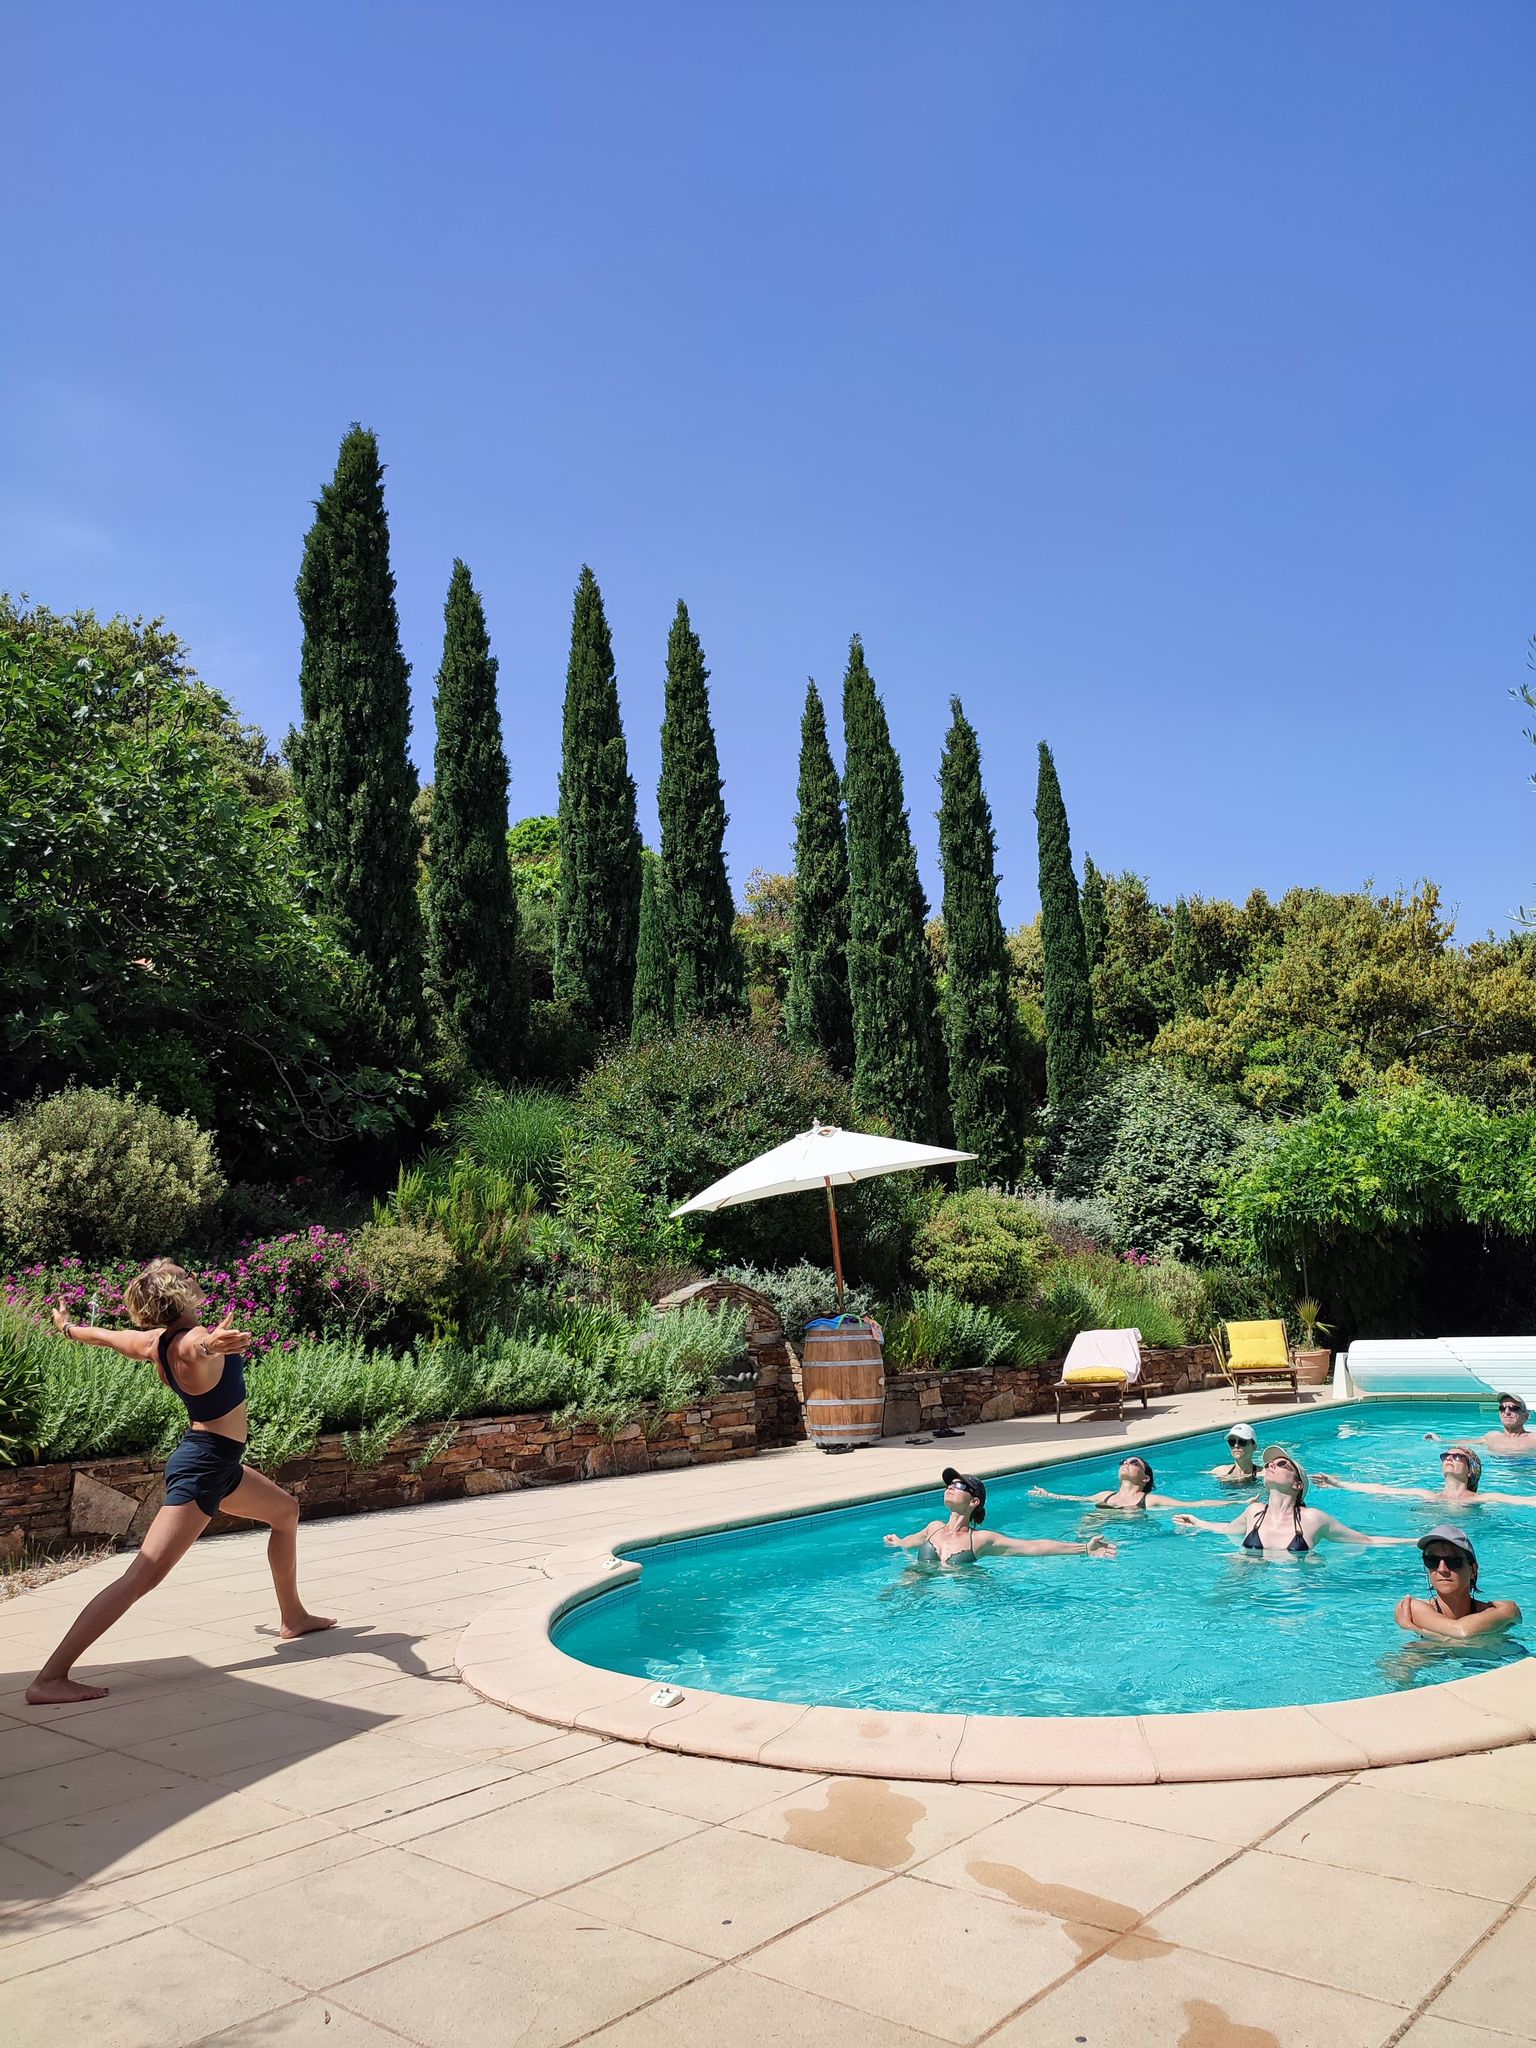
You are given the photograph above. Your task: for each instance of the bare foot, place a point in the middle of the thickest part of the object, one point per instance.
(307, 1627)
(61, 1692)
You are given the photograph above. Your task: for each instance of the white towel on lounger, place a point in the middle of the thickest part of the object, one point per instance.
(1113, 1350)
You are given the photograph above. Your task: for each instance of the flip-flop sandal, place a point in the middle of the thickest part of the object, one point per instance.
(836, 1450)
(949, 1432)
(919, 1439)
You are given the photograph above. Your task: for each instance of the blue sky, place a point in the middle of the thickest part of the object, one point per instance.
(1154, 376)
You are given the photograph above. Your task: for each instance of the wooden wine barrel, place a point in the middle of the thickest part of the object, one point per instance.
(842, 1382)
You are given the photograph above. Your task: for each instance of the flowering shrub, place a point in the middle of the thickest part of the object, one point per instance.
(306, 1284)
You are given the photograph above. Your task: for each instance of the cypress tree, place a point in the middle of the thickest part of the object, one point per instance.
(597, 912)
(1095, 913)
(1071, 1051)
(473, 973)
(706, 961)
(897, 1047)
(981, 1023)
(817, 1013)
(351, 770)
(655, 1004)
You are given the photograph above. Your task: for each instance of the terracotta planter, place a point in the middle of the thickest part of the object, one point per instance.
(1313, 1368)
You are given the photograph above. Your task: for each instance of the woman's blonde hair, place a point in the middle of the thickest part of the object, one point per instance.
(164, 1293)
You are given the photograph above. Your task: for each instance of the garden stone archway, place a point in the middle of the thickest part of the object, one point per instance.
(780, 1419)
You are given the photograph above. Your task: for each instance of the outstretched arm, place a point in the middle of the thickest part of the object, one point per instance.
(1045, 1493)
(1216, 1528)
(1511, 1500)
(990, 1545)
(139, 1344)
(1373, 1486)
(1330, 1525)
(909, 1542)
(1166, 1500)
(1424, 1617)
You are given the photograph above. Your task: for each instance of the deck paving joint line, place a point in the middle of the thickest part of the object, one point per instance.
(1437, 1989)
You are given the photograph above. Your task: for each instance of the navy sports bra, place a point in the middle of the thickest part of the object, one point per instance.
(222, 1398)
(1253, 1540)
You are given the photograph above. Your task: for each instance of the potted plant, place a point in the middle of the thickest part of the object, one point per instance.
(1313, 1361)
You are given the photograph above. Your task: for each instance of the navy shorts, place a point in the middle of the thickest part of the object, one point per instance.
(203, 1469)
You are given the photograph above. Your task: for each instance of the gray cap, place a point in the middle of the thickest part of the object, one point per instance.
(1243, 1430)
(1447, 1532)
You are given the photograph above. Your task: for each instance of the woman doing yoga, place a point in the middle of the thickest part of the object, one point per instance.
(957, 1540)
(205, 1475)
(1282, 1521)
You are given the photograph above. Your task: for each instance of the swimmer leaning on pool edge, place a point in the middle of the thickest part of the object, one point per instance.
(956, 1539)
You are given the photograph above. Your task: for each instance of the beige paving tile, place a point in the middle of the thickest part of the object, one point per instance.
(887, 1745)
(82, 1783)
(170, 1713)
(1497, 1986)
(35, 1898)
(579, 1765)
(555, 1839)
(1145, 1992)
(1505, 1779)
(1235, 1811)
(235, 1745)
(29, 1749)
(1430, 2032)
(875, 1822)
(1046, 1749)
(164, 1990)
(1373, 1935)
(160, 1827)
(719, 1892)
(733, 2007)
(1263, 1742)
(317, 2021)
(936, 1960)
(412, 1697)
(232, 1859)
(349, 1916)
(479, 1730)
(1075, 1865)
(339, 1776)
(203, 1894)
(80, 1937)
(539, 1977)
(1431, 1841)
(707, 1788)
(406, 1800)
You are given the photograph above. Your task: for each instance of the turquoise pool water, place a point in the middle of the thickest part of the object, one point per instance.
(816, 1609)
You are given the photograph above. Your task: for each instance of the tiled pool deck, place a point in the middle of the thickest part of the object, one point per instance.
(336, 1841)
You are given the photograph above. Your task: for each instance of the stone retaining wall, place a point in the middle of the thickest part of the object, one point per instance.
(43, 1505)
(933, 1400)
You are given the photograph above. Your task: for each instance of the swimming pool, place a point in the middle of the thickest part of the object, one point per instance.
(816, 1610)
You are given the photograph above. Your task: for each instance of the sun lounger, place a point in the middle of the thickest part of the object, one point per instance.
(1098, 1369)
(1255, 1357)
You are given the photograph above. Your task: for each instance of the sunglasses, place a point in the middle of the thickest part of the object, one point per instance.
(1237, 1443)
(1453, 1560)
(1511, 1408)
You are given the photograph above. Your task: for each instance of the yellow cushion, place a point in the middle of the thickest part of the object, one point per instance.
(1258, 1344)
(1093, 1376)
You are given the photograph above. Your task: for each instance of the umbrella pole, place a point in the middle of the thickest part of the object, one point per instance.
(837, 1250)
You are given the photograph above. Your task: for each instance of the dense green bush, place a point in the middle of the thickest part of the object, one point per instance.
(21, 1388)
(1153, 1146)
(413, 1267)
(937, 1332)
(100, 1174)
(1096, 1292)
(800, 1292)
(1073, 1223)
(692, 1107)
(983, 1246)
(485, 1221)
(518, 1132)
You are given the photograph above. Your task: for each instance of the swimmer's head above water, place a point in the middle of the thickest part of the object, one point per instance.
(1461, 1462)
(1137, 1472)
(1513, 1414)
(1284, 1472)
(964, 1495)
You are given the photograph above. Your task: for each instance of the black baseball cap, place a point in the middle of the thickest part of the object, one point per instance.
(976, 1488)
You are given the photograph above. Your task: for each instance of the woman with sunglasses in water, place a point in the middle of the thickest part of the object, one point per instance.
(1452, 1608)
(1134, 1494)
(957, 1539)
(1282, 1521)
(1243, 1445)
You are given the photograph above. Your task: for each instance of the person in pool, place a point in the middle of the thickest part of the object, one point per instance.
(205, 1475)
(1282, 1521)
(1243, 1445)
(957, 1539)
(1453, 1608)
(1134, 1494)
(1461, 1475)
(1512, 1439)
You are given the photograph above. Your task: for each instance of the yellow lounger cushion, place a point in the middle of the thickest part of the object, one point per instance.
(1093, 1376)
(1251, 1344)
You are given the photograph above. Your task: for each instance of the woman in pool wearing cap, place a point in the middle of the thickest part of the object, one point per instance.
(1243, 1445)
(1462, 1471)
(956, 1540)
(1453, 1608)
(1134, 1494)
(1282, 1521)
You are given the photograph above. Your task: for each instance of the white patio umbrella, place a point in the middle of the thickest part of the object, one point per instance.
(822, 1157)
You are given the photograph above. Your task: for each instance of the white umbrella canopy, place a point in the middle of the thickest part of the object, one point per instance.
(822, 1157)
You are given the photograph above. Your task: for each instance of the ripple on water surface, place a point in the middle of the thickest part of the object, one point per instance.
(818, 1610)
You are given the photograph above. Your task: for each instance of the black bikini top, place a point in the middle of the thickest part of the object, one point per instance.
(222, 1398)
(1254, 1541)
